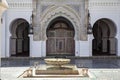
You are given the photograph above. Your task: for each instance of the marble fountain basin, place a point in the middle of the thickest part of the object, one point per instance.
(56, 61)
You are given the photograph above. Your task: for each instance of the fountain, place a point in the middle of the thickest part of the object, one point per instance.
(55, 67)
(57, 62)
(58, 66)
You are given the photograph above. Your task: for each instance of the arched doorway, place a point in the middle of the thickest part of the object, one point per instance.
(104, 42)
(60, 38)
(19, 41)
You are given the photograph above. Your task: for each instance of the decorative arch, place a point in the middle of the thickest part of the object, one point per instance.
(14, 24)
(60, 11)
(104, 42)
(111, 26)
(60, 37)
(19, 39)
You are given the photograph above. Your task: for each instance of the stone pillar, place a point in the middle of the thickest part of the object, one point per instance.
(83, 28)
(104, 45)
(19, 45)
(36, 20)
(113, 45)
(77, 48)
(43, 49)
(90, 39)
(13, 46)
(3, 7)
(30, 44)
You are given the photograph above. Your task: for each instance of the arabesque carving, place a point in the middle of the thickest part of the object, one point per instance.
(51, 12)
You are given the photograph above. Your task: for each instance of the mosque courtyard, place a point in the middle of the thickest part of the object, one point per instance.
(99, 68)
(86, 32)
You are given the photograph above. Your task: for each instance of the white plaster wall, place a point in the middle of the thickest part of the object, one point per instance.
(118, 34)
(84, 49)
(36, 49)
(9, 17)
(3, 35)
(77, 48)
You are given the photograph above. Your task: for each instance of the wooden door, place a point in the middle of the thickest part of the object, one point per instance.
(60, 42)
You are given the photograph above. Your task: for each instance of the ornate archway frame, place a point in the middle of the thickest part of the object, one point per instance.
(60, 11)
(111, 25)
(14, 24)
(45, 13)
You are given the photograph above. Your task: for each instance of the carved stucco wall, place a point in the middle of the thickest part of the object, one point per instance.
(45, 12)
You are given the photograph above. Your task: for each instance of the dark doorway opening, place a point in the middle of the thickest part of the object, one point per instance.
(19, 41)
(104, 42)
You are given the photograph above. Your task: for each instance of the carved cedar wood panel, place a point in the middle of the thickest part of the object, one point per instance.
(60, 41)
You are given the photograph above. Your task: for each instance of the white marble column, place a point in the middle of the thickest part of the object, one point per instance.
(13, 46)
(30, 45)
(43, 49)
(90, 38)
(3, 7)
(77, 48)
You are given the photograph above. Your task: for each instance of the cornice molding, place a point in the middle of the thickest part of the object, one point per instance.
(20, 5)
(91, 4)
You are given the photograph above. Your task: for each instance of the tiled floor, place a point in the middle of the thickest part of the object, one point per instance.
(100, 68)
(12, 73)
(90, 63)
